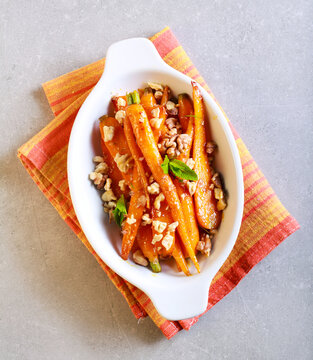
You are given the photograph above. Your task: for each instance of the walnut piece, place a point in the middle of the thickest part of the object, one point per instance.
(210, 147)
(98, 159)
(154, 188)
(158, 200)
(159, 226)
(123, 162)
(155, 86)
(139, 258)
(146, 220)
(120, 116)
(131, 220)
(156, 238)
(167, 241)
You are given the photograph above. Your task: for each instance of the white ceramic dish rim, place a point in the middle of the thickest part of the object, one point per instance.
(186, 303)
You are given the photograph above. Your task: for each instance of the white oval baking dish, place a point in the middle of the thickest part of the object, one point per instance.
(129, 65)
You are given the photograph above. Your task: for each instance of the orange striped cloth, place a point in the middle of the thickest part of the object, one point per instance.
(265, 223)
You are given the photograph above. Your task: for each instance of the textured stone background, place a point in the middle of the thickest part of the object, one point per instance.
(55, 301)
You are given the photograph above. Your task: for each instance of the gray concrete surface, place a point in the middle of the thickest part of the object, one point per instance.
(55, 301)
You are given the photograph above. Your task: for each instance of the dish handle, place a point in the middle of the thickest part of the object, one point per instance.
(181, 302)
(129, 56)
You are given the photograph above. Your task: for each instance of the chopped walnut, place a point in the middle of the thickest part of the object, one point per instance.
(172, 122)
(123, 162)
(172, 152)
(210, 147)
(95, 177)
(154, 188)
(192, 186)
(155, 112)
(121, 102)
(205, 245)
(158, 200)
(146, 220)
(155, 86)
(108, 133)
(171, 133)
(159, 226)
(120, 116)
(141, 200)
(216, 180)
(102, 182)
(108, 196)
(156, 238)
(139, 258)
(167, 241)
(200, 246)
(101, 168)
(171, 108)
(131, 220)
(183, 142)
(218, 193)
(156, 122)
(190, 163)
(108, 184)
(221, 204)
(158, 95)
(122, 185)
(98, 159)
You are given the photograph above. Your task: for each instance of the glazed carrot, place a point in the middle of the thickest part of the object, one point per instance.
(144, 241)
(189, 213)
(207, 214)
(164, 216)
(114, 172)
(165, 95)
(134, 215)
(148, 146)
(185, 111)
(117, 146)
(147, 99)
(187, 120)
(137, 155)
(179, 257)
(133, 147)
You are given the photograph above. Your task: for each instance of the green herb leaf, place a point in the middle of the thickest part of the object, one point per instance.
(165, 164)
(135, 97)
(179, 169)
(120, 211)
(193, 116)
(182, 171)
(129, 99)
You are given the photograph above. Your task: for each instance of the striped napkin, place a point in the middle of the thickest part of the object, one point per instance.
(265, 224)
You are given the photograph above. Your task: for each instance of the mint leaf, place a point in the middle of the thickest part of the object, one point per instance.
(120, 211)
(164, 165)
(182, 171)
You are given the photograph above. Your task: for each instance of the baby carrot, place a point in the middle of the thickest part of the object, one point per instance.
(163, 215)
(136, 209)
(207, 214)
(137, 155)
(189, 213)
(147, 99)
(187, 121)
(179, 257)
(144, 241)
(148, 146)
(117, 146)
